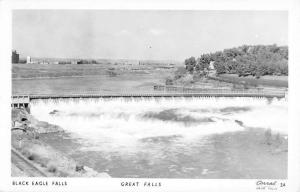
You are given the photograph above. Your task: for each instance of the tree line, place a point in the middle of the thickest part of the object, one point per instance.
(245, 60)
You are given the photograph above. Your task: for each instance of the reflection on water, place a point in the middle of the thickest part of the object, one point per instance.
(166, 137)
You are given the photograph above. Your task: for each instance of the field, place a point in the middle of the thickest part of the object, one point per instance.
(42, 71)
(88, 78)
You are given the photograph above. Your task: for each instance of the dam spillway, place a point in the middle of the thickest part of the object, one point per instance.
(23, 101)
(223, 93)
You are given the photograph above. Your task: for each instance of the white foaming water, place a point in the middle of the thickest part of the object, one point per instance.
(120, 124)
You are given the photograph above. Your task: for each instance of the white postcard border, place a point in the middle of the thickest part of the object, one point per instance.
(98, 184)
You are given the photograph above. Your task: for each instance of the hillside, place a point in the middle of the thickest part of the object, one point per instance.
(254, 60)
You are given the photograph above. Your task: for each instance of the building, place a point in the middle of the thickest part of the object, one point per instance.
(15, 57)
(211, 66)
(211, 69)
(28, 60)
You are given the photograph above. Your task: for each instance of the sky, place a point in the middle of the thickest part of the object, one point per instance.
(142, 34)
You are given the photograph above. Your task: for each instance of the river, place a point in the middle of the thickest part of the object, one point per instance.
(171, 137)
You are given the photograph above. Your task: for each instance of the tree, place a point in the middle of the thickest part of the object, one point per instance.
(190, 64)
(203, 63)
(245, 60)
(219, 67)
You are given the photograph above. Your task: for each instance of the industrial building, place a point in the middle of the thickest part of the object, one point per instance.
(15, 57)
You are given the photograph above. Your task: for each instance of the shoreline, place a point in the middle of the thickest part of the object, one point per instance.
(40, 154)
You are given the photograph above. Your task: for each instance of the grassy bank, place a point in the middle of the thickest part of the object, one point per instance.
(272, 81)
(182, 78)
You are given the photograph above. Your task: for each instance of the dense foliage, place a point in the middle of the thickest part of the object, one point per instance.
(245, 60)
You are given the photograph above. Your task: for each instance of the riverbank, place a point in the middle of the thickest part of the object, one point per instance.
(279, 82)
(181, 79)
(25, 138)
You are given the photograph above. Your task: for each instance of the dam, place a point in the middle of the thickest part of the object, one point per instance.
(24, 100)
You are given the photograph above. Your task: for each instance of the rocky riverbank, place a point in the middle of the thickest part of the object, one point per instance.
(26, 131)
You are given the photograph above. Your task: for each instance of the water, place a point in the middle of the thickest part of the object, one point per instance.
(168, 137)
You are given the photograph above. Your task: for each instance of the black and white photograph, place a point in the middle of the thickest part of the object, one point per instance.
(142, 99)
(150, 94)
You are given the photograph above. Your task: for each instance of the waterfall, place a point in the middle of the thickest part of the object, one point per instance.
(122, 123)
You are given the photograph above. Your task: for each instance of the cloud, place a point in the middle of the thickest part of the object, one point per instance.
(156, 32)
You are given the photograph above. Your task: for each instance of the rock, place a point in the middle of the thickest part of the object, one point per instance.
(240, 123)
(54, 112)
(79, 168)
(23, 119)
(51, 168)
